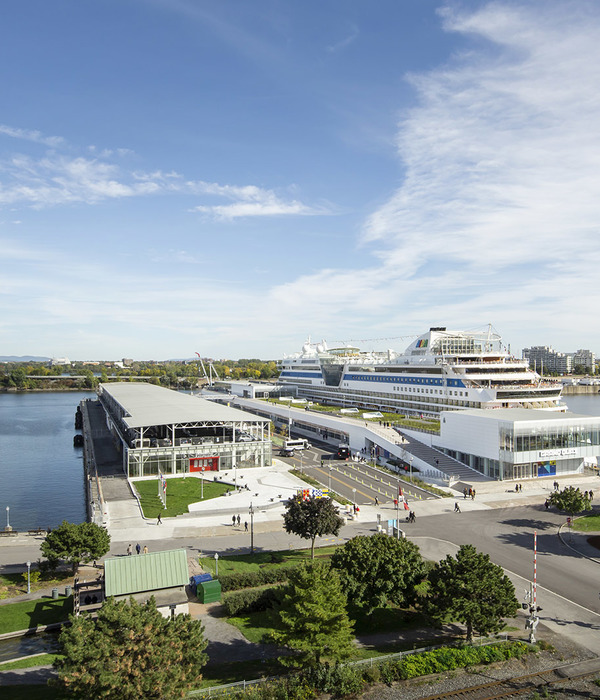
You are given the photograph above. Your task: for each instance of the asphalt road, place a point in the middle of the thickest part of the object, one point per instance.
(507, 535)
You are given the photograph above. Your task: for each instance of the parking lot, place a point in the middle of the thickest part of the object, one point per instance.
(357, 482)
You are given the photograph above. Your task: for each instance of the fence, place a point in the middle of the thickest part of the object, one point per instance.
(221, 690)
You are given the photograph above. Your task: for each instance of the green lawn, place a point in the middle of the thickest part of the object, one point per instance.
(180, 493)
(589, 523)
(253, 562)
(29, 662)
(32, 613)
(256, 627)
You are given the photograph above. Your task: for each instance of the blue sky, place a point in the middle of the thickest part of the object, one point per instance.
(230, 177)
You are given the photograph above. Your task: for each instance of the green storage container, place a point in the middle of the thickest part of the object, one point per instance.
(209, 591)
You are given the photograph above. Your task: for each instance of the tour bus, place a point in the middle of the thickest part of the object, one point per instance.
(296, 444)
(343, 452)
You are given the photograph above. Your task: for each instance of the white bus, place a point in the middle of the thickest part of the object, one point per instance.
(296, 444)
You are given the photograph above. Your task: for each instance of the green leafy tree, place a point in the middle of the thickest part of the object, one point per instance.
(73, 543)
(379, 570)
(313, 620)
(311, 518)
(570, 499)
(131, 651)
(473, 590)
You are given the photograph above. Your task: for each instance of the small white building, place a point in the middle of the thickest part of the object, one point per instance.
(246, 389)
(519, 443)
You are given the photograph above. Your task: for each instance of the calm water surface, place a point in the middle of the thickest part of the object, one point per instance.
(41, 473)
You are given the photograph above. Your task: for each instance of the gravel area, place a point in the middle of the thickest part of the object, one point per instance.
(565, 652)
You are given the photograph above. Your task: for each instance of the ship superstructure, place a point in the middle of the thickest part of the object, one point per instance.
(440, 370)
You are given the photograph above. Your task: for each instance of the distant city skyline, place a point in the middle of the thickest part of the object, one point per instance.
(230, 178)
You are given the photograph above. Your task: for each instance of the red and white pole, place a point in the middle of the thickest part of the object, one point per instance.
(535, 569)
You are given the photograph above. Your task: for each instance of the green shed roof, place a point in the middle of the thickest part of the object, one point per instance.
(145, 572)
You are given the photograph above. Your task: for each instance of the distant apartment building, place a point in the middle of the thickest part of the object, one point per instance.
(586, 359)
(543, 359)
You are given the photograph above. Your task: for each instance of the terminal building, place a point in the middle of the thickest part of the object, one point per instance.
(160, 429)
(520, 443)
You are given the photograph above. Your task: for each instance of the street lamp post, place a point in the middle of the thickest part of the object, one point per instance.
(28, 577)
(251, 511)
(398, 512)
(330, 477)
(202, 485)
(8, 527)
(216, 565)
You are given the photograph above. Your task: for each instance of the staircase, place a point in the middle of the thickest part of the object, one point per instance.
(449, 466)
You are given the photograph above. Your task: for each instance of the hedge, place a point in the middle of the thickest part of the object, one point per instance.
(252, 600)
(252, 579)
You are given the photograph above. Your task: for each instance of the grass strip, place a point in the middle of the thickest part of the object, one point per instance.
(180, 493)
(589, 523)
(29, 662)
(235, 563)
(34, 613)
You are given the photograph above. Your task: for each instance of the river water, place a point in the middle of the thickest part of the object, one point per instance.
(41, 473)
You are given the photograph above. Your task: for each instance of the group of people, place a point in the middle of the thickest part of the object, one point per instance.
(468, 492)
(237, 520)
(138, 549)
(411, 518)
(518, 488)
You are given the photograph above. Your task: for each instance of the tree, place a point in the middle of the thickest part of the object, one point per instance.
(570, 499)
(378, 570)
(311, 518)
(473, 590)
(313, 617)
(131, 651)
(76, 543)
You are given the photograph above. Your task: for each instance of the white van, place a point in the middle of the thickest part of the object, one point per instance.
(296, 444)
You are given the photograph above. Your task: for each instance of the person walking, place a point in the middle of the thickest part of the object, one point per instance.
(239, 520)
(159, 520)
(138, 547)
(129, 550)
(546, 504)
(465, 493)
(456, 507)
(591, 495)
(246, 526)
(376, 501)
(233, 520)
(473, 495)
(145, 549)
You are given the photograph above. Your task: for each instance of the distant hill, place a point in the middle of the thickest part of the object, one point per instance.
(23, 358)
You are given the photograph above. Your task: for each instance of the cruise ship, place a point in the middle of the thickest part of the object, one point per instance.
(440, 370)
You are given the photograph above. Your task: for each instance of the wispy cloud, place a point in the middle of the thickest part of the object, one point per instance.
(250, 201)
(57, 179)
(351, 35)
(34, 136)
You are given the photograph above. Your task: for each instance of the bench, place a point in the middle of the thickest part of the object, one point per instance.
(37, 531)
(8, 533)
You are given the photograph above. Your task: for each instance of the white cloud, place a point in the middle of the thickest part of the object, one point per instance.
(57, 179)
(28, 135)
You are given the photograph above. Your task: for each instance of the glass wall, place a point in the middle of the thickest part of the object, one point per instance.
(147, 462)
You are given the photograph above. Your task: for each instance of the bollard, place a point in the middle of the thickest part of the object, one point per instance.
(68, 591)
(55, 594)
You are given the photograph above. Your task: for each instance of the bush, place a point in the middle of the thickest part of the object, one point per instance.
(253, 600)
(252, 579)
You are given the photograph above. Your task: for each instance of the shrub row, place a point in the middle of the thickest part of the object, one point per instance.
(448, 659)
(252, 600)
(341, 681)
(251, 579)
